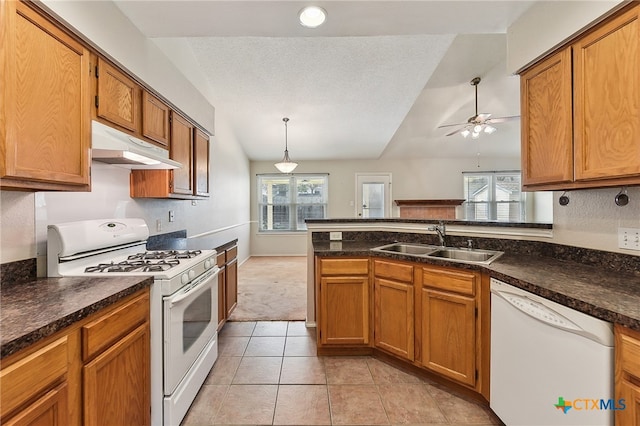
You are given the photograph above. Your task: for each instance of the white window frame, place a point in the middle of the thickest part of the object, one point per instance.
(293, 204)
(492, 203)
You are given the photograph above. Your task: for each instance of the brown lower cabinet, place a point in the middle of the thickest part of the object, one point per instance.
(433, 318)
(227, 280)
(94, 372)
(627, 375)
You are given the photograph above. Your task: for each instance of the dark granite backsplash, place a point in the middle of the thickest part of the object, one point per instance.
(617, 262)
(18, 272)
(169, 241)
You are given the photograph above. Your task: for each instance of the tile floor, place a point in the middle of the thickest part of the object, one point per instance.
(267, 373)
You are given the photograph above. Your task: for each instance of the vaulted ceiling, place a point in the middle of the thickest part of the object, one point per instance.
(375, 81)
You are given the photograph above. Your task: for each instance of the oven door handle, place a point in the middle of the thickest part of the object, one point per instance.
(200, 282)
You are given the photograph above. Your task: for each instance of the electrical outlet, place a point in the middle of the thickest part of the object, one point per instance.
(172, 216)
(629, 238)
(335, 236)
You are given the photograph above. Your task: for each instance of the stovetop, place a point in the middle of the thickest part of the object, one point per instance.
(149, 261)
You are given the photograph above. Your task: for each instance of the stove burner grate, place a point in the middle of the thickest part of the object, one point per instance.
(134, 266)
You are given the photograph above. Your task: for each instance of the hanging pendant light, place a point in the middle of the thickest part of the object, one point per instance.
(286, 165)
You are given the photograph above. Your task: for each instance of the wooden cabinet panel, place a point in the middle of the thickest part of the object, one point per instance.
(116, 383)
(44, 104)
(627, 375)
(50, 410)
(449, 335)
(231, 287)
(201, 163)
(344, 266)
(155, 119)
(222, 297)
(118, 97)
(459, 281)
(344, 315)
(104, 331)
(394, 270)
(394, 317)
(182, 152)
(18, 381)
(546, 107)
(607, 99)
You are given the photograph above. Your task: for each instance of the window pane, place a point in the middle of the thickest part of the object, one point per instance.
(275, 191)
(309, 212)
(493, 196)
(373, 200)
(310, 190)
(508, 188)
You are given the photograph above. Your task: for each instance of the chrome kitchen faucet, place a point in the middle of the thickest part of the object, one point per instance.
(441, 230)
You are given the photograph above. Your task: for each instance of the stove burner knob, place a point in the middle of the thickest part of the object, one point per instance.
(207, 264)
(184, 278)
(192, 274)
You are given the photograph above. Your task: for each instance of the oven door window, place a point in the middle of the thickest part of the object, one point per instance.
(190, 322)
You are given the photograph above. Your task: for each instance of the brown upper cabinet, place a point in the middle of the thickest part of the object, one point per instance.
(45, 104)
(118, 98)
(201, 163)
(581, 110)
(182, 152)
(155, 119)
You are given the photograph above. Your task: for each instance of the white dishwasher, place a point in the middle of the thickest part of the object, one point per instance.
(550, 365)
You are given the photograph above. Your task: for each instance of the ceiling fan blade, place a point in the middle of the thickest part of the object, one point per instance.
(483, 116)
(503, 119)
(456, 131)
(451, 125)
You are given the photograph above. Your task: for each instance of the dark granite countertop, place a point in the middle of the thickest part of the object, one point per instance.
(500, 224)
(597, 291)
(33, 310)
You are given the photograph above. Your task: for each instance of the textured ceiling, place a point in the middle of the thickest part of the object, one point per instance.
(374, 82)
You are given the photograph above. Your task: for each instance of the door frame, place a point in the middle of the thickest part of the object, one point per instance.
(384, 177)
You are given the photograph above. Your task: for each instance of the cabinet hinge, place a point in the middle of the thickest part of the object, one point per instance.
(96, 71)
(97, 101)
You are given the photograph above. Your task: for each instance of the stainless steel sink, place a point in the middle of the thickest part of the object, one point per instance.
(404, 248)
(467, 255)
(463, 255)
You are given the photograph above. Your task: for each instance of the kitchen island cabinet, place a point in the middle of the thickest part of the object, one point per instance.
(95, 370)
(344, 303)
(394, 307)
(627, 375)
(44, 104)
(227, 261)
(580, 112)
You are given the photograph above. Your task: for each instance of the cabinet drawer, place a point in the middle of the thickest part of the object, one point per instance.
(462, 282)
(33, 374)
(101, 333)
(344, 266)
(393, 270)
(232, 253)
(629, 351)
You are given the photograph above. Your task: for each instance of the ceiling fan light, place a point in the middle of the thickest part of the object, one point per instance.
(489, 129)
(477, 128)
(475, 135)
(465, 133)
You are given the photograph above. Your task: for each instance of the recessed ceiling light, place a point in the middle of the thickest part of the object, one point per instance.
(312, 16)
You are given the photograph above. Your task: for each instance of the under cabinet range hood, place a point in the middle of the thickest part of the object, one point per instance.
(112, 146)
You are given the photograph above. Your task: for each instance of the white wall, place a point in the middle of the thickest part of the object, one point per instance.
(416, 178)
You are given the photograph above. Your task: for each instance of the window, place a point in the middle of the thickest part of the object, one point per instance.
(493, 196)
(285, 201)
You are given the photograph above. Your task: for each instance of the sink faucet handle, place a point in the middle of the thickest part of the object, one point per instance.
(470, 244)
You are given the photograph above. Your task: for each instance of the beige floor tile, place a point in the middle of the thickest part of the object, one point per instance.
(348, 371)
(232, 345)
(302, 405)
(356, 404)
(223, 370)
(270, 328)
(303, 371)
(299, 328)
(248, 405)
(260, 370)
(385, 373)
(409, 403)
(459, 410)
(300, 346)
(205, 406)
(238, 328)
(265, 346)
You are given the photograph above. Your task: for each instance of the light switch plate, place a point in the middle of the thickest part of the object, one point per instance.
(335, 236)
(629, 238)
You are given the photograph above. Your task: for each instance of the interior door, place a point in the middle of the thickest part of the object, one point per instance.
(373, 195)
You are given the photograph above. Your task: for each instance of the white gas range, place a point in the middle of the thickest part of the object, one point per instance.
(184, 301)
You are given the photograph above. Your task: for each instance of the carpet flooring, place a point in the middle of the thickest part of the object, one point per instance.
(272, 288)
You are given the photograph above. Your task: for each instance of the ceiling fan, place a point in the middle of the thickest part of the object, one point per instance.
(478, 123)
